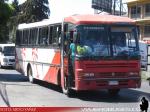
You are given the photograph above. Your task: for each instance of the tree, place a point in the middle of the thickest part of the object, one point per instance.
(6, 11)
(29, 11)
(15, 4)
(35, 10)
(13, 21)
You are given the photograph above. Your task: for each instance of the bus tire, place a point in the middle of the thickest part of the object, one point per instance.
(30, 75)
(113, 92)
(66, 90)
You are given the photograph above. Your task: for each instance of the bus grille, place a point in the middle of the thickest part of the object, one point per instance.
(11, 60)
(109, 75)
(111, 65)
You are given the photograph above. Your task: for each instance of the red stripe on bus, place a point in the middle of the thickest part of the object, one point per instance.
(51, 75)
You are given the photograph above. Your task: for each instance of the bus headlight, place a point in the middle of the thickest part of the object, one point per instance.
(89, 75)
(5, 60)
(133, 73)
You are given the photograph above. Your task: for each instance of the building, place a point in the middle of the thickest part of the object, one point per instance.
(139, 10)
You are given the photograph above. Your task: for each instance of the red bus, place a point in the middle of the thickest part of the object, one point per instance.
(102, 56)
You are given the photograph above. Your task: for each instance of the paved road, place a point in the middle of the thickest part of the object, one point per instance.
(15, 90)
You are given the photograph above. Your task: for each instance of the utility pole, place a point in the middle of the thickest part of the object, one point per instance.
(114, 7)
(117, 7)
(120, 7)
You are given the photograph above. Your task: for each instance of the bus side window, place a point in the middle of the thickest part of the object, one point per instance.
(56, 34)
(30, 36)
(21, 37)
(18, 37)
(33, 36)
(50, 34)
(43, 36)
(65, 41)
(25, 37)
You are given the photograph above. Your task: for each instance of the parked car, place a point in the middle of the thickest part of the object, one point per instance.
(7, 55)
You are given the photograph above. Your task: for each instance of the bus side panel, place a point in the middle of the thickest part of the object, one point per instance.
(44, 67)
(52, 73)
(20, 60)
(46, 63)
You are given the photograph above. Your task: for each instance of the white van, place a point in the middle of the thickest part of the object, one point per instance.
(7, 55)
(143, 53)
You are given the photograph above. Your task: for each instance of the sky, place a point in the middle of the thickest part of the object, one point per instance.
(62, 8)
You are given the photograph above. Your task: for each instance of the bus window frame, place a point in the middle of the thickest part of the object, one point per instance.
(33, 31)
(50, 36)
(40, 35)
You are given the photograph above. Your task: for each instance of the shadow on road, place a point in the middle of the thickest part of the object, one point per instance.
(13, 78)
(125, 96)
(49, 86)
(5, 80)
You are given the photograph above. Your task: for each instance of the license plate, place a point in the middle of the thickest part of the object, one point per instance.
(113, 83)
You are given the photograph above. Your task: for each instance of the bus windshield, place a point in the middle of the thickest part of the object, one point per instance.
(112, 41)
(124, 41)
(9, 51)
(95, 41)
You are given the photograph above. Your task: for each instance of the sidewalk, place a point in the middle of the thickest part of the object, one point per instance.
(145, 75)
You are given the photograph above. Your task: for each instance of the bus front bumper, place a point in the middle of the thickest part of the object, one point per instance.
(108, 83)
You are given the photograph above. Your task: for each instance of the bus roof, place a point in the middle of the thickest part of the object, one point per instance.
(42, 23)
(3, 45)
(81, 19)
(98, 19)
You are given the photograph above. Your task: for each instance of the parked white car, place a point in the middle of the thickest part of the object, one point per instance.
(7, 55)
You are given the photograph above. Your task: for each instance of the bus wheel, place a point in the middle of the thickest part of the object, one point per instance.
(30, 75)
(113, 92)
(66, 90)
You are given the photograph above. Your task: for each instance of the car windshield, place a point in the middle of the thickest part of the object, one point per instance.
(9, 51)
(94, 41)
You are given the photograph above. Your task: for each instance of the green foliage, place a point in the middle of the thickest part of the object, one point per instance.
(6, 11)
(13, 21)
(15, 5)
(35, 10)
(3, 33)
(29, 11)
